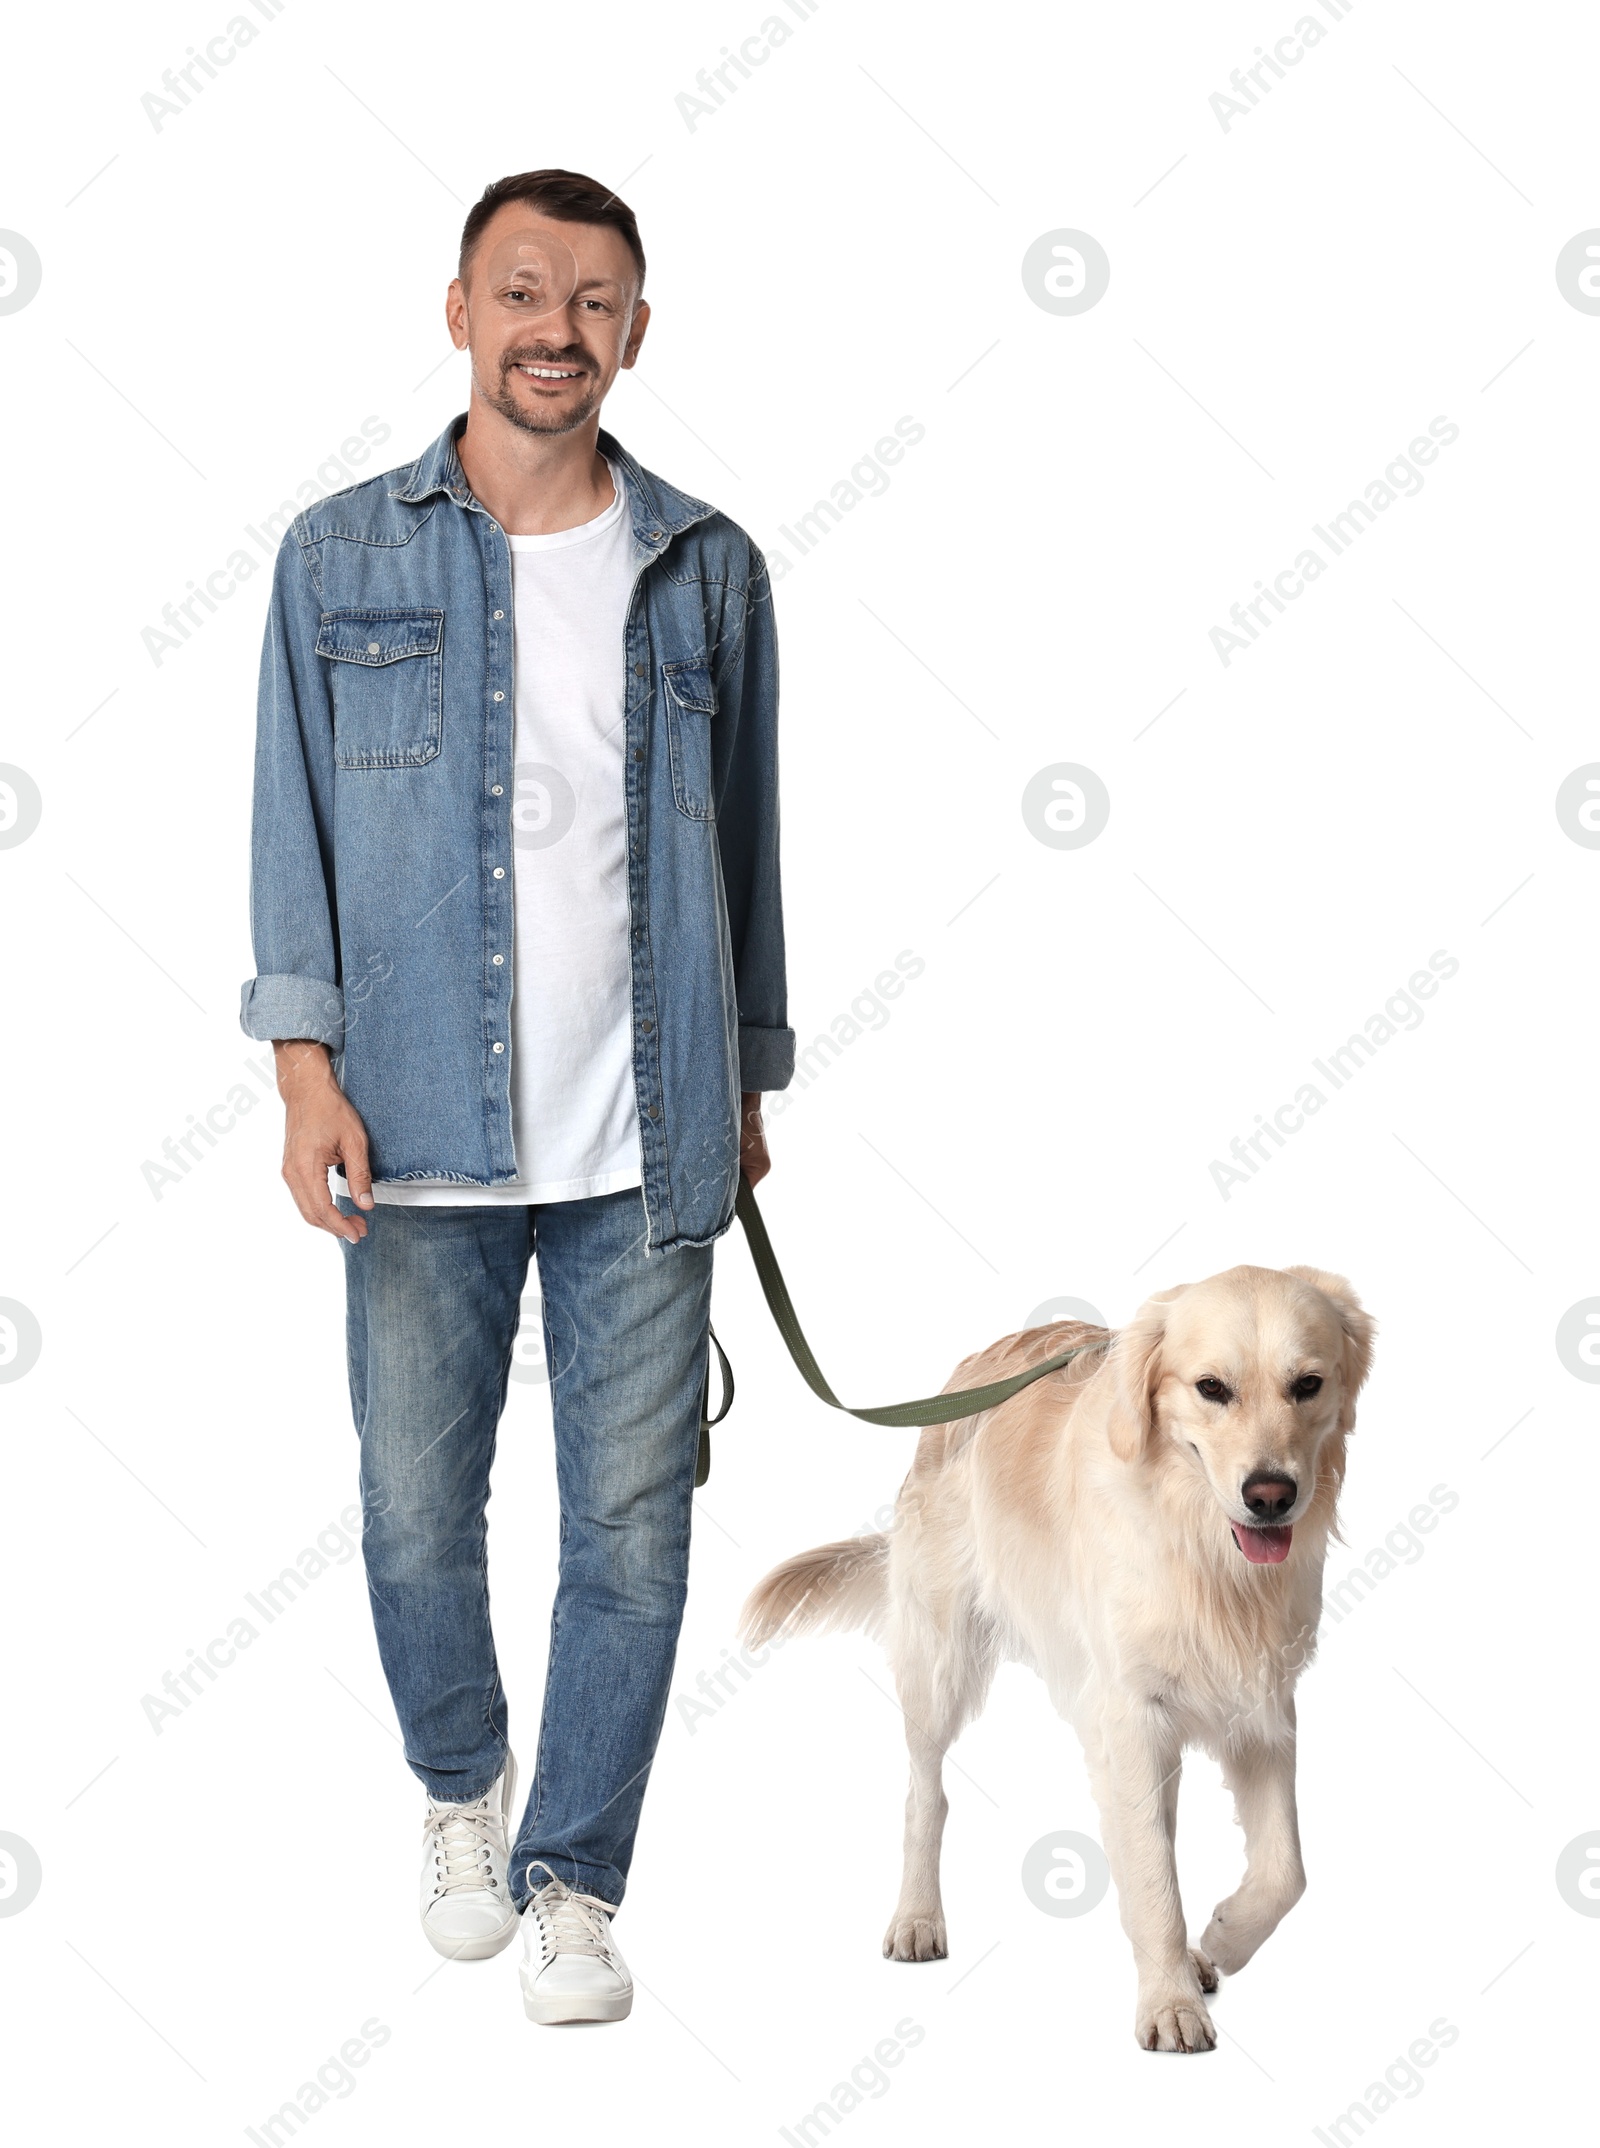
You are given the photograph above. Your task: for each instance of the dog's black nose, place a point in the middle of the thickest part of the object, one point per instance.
(1267, 1494)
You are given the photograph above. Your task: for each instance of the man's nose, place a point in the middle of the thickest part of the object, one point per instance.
(1269, 1494)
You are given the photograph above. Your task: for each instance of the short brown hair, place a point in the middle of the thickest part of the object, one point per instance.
(567, 197)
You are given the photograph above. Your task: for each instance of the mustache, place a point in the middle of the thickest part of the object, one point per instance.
(541, 354)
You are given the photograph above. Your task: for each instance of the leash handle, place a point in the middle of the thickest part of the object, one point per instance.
(702, 1460)
(929, 1409)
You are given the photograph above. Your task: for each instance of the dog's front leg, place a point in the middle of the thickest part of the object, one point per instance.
(1261, 1777)
(1135, 1775)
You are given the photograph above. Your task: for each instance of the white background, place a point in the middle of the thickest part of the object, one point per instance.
(225, 1903)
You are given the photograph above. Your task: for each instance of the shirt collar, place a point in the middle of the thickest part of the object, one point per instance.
(659, 510)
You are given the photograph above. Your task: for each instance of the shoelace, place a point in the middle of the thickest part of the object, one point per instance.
(568, 1924)
(462, 1837)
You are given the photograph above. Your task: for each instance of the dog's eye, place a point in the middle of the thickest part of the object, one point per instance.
(1213, 1390)
(1308, 1384)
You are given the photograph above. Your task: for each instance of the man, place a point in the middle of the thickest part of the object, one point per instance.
(516, 912)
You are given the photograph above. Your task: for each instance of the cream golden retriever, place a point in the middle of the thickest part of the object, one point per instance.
(1147, 1528)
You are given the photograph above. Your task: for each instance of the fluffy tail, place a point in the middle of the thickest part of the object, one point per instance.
(834, 1586)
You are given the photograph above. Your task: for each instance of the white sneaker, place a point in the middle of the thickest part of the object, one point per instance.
(571, 1970)
(467, 1910)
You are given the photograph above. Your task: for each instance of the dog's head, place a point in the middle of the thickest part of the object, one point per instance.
(1251, 1380)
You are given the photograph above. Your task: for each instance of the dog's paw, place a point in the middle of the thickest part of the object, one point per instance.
(1172, 2021)
(1205, 1969)
(1232, 1936)
(914, 1938)
(1243, 1923)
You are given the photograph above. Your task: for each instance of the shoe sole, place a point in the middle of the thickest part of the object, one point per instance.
(556, 2007)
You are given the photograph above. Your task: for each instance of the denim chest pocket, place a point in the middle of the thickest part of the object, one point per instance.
(691, 703)
(386, 676)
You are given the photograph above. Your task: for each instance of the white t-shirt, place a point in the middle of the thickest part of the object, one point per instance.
(574, 1114)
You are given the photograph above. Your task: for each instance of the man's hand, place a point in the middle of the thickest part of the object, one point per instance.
(754, 1161)
(321, 1127)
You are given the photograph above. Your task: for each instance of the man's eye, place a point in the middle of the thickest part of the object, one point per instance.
(1308, 1384)
(1213, 1390)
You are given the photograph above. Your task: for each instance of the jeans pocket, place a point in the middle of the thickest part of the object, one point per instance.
(691, 703)
(386, 677)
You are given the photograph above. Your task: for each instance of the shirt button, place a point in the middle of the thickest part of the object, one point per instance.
(498, 960)
(372, 648)
(499, 615)
(638, 753)
(647, 1026)
(499, 697)
(653, 1113)
(639, 670)
(499, 1047)
(499, 872)
(498, 789)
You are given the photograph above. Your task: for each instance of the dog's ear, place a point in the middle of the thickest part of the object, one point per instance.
(1359, 1328)
(1136, 1372)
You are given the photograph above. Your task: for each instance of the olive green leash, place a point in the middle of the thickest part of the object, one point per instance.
(928, 1410)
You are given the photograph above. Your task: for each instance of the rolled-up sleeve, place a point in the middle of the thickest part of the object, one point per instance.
(747, 836)
(293, 922)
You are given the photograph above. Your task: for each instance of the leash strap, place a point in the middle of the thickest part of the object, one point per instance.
(930, 1409)
(702, 1460)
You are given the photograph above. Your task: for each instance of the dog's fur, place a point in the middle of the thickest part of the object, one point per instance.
(1084, 1527)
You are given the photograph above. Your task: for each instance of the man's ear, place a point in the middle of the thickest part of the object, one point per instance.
(1136, 1362)
(1358, 1326)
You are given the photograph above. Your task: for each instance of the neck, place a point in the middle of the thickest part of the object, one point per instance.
(534, 483)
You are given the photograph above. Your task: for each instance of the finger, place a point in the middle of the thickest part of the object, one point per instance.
(308, 1182)
(357, 1170)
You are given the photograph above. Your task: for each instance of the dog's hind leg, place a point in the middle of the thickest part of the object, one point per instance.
(943, 1667)
(1261, 1777)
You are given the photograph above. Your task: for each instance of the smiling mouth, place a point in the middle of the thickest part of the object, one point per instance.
(1263, 1547)
(550, 372)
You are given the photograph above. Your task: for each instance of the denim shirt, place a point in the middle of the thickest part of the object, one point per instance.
(381, 879)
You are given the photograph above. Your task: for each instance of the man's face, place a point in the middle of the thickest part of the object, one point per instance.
(551, 313)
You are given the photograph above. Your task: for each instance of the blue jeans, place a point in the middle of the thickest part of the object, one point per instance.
(434, 1297)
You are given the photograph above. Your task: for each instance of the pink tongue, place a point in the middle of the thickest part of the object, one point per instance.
(1263, 1547)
